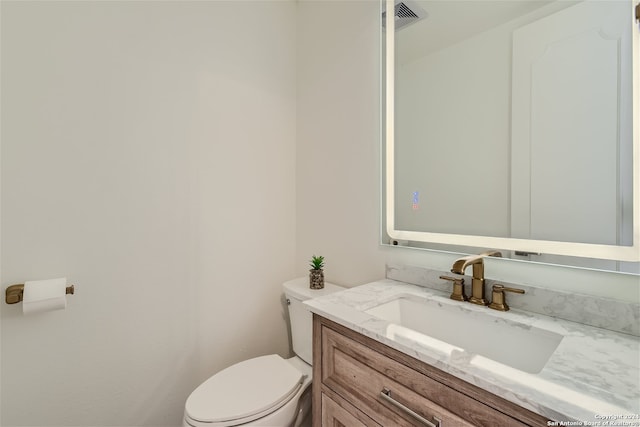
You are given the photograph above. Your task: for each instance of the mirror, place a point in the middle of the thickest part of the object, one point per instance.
(514, 126)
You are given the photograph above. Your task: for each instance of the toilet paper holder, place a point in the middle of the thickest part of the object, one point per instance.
(14, 293)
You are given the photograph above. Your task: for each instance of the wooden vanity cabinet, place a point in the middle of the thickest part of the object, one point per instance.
(358, 381)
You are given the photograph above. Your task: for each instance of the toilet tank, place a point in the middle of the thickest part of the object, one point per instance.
(300, 318)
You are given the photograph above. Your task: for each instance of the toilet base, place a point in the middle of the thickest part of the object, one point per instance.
(303, 419)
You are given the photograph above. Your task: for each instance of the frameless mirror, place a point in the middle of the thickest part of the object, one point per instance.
(513, 125)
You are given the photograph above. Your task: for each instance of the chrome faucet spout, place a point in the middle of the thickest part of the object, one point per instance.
(477, 283)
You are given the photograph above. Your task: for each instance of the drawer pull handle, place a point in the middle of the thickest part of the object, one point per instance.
(386, 395)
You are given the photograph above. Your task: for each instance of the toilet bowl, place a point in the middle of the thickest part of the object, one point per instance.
(267, 390)
(263, 391)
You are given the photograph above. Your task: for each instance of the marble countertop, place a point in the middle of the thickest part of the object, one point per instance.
(593, 377)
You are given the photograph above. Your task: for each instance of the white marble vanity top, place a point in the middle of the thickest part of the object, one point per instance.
(592, 378)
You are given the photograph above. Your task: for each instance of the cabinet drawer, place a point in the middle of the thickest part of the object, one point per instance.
(338, 413)
(360, 374)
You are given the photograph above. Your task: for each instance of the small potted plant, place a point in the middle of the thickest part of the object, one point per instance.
(316, 274)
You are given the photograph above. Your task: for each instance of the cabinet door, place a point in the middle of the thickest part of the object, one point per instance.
(334, 415)
(390, 392)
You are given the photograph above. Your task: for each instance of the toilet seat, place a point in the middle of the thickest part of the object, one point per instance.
(244, 392)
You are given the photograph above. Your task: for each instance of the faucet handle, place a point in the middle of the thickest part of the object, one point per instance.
(497, 297)
(458, 288)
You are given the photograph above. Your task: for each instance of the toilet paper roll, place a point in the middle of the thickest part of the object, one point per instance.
(44, 295)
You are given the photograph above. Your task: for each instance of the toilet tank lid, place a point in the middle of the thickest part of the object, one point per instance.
(299, 289)
(246, 389)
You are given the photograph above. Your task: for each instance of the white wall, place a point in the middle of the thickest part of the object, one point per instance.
(338, 139)
(437, 99)
(148, 154)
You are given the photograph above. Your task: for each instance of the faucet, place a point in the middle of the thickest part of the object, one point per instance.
(477, 282)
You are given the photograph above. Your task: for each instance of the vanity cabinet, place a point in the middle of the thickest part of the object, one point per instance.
(361, 382)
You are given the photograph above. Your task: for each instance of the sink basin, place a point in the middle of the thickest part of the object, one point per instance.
(511, 343)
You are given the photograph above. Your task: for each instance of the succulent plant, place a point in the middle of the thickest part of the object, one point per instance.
(317, 262)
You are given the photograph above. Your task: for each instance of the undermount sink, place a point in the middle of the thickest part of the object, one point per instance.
(511, 343)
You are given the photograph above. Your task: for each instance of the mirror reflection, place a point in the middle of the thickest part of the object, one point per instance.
(514, 119)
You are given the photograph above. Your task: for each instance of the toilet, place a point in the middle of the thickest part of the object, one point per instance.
(266, 390)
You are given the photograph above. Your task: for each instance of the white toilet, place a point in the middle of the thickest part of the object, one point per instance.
(266, 390)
